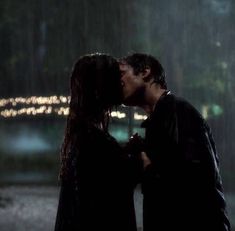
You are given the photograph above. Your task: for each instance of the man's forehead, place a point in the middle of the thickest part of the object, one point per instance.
(124, 66)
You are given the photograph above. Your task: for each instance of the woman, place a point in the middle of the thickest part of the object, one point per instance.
(97, 177)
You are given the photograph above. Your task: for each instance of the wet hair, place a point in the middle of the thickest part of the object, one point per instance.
(95, 88)
(139, 62)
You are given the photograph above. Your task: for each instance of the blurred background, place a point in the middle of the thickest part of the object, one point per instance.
(39, 42)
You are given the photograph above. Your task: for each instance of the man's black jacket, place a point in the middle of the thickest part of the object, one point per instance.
(182, 187)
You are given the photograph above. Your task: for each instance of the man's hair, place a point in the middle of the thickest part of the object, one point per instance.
(139, 62)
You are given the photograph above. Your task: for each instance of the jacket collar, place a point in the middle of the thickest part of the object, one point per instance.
(144, 124)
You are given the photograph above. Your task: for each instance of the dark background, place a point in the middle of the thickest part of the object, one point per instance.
(41, 39)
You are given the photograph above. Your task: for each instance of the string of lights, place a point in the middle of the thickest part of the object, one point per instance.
(41, 105)
(39, 100)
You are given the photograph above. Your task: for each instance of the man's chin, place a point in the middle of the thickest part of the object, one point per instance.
(129, 102)
(134, 98)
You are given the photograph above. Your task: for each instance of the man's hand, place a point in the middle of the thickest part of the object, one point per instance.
(135, 146)
(145, 159)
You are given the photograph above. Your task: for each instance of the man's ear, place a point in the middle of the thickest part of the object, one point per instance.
(146, 74)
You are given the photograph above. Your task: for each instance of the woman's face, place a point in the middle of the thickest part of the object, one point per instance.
(112, 85)
(98, 82)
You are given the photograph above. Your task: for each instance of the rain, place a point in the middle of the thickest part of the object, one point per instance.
(40, 41)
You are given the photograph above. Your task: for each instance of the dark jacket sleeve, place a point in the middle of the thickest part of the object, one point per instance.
(199, 173)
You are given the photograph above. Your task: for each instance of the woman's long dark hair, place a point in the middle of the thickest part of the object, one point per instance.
(95, 88)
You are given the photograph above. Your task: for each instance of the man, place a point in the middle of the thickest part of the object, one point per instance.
(182, 187)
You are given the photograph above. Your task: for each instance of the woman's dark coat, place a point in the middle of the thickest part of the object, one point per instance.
(101, 195)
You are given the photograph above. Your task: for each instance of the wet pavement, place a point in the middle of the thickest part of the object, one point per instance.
(28, 208)
(33, 208)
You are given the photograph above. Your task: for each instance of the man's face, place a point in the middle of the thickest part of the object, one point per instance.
(132, 85)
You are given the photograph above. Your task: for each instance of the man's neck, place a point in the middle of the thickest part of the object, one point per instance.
(153, 94)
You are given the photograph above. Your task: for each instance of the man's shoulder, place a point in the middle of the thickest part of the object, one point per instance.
(182, 108)
(172, 106)
(171, 101)
(184, 104)
(179, 100)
